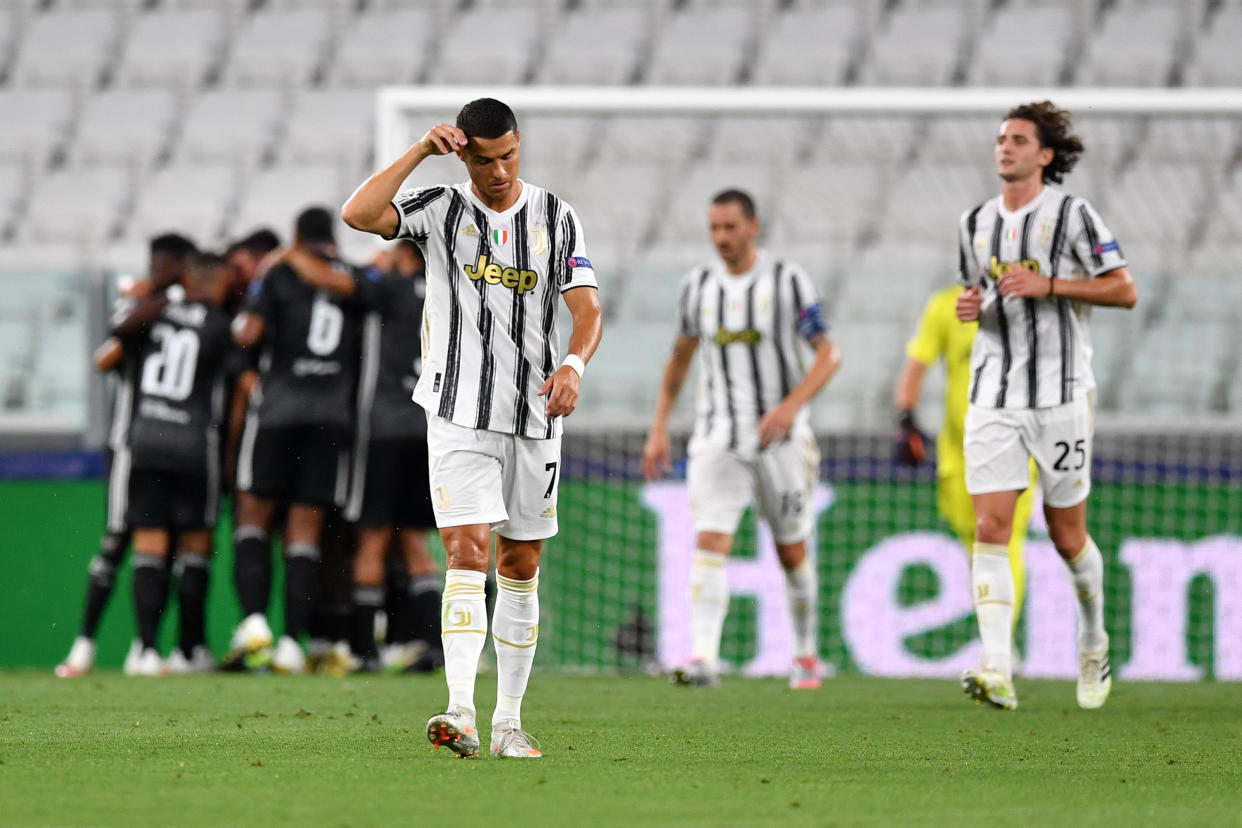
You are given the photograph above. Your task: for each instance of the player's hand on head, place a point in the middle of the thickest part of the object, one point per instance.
(775, 425)
(443, 140)
(656, 453)
(561, 389)
(969, 303)
(1021, 282)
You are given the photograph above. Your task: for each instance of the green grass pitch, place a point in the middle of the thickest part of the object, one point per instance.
(237, 750)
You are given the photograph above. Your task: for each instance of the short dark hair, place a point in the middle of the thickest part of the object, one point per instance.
(739, 197)
(258, 244)
(1053, 127)
(173, 244)
(315, 224)
(205, 265)
(486, 118)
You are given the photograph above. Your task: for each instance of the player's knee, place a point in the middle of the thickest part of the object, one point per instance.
(1068, 539)
(466, 550)
(519, 561)
(993, 527)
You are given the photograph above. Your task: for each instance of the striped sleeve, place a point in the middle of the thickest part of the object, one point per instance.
(414, 218)
(687, 305)
(1094, 245)
(967, 266)
(578, 269)
(808, 311)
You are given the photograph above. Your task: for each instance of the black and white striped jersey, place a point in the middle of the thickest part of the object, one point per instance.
(1033, 352)
(490, 337)
(753, 330)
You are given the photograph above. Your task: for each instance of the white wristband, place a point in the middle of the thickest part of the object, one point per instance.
(574, 361)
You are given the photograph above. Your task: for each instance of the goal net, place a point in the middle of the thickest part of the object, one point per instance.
(863, 188)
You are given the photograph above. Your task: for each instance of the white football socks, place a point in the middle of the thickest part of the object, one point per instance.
(709, 601)
(991, 582)
(515, 632)
(1087, 572)
(802, 592)
(463, 632)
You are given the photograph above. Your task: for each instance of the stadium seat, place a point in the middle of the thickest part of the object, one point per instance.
(1151, 36)
(918, 46)
(926, 202)
(860, 395)
(656, 139)
(279, 47)
(623, 198)
(704, 48)
(171, 47)
(960, 140)
(231, 126)
(808, 46)
(616, 36)
(891, 281)
(781, 141)
(388, 47)
(1214, 58)
(686, 210)
(34, 124)
(464, 57)
(275, 196)
(65, 47)
(866, 138)
(1158, 203)
(328, 125)
(806, 211)
(1007, 56)
(1177, 368)
(163, 205)
(124, 127)
(84, 203)
(14, 179)
(551, 143)
(1210, 142)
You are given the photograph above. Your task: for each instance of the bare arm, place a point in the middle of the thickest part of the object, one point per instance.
(775, 424)
(370, 208)
(317, 272)
(139, 317)
(561, 388)
(909, 384)
(108, 355)
(656, 449)
(1112, 289)
(248, 329)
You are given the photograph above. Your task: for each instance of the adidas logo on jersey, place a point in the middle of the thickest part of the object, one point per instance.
(512, 278)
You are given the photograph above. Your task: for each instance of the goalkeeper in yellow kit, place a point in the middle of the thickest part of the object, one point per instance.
(941, 335)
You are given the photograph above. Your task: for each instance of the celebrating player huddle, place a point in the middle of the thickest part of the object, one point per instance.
(411, 397)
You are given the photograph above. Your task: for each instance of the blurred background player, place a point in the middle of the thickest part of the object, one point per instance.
(296, 440)
(752, 438)
(244, 258)
(1033, 261)
(389, 490)
(170, 255)
(941, 336)
(499, 251)
(182, 347)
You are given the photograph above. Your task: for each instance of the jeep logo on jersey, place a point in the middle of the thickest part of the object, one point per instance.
(999, 268)
(748, 336)
(519, 280)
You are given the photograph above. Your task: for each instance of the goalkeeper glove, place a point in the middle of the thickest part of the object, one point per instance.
(909, 447)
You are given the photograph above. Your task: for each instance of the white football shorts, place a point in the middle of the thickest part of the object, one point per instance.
(504, 480)
(780, 478)
(999, 441)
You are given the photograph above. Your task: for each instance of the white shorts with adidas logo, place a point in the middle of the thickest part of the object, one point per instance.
(507, 481)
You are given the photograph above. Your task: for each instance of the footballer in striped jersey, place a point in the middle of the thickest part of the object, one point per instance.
(756, 321)
(500, 253)
(1033, 262)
